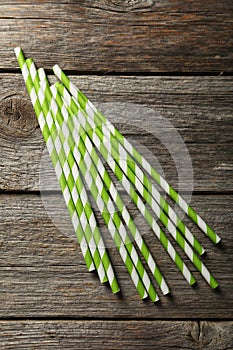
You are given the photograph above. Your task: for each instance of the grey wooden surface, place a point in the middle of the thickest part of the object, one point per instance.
(128, 36)
(173, 57)
(116, 335)
(44, 272)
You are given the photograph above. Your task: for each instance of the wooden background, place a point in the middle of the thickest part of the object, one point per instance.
(173, 56)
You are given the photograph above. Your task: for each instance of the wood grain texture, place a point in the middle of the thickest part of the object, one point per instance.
(48, 300)
(200, 109)
(108, 335)
(43, 273)
(126, 36)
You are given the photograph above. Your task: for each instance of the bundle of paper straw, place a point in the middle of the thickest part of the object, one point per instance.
(79, 139)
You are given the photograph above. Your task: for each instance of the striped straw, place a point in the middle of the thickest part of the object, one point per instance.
(107, 209)
(171, 228)
(94, 163)
(55, 160)
(75, 185)
(99, 166)
(102, 146)
(90, 108)
(88, 221)
(165, 211)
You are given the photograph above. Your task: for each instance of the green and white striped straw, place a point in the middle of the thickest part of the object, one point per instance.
(118, 157)
(87, 218)
(100, 170)
(165, 211)
(90, 108)
(55, 160)
(103, 147)
(105, 206)
(53, 152)
(94, 163)
(75, 186)
(70, 125)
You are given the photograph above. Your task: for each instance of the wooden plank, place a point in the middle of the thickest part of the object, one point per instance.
(114, 335)
(121, 36)
(43, 273)
(199, 108)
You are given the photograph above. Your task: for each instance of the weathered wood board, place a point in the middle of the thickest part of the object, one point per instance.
(126, 36)
(44, 275)
(199, 108)
(144, 335)
(169, 62)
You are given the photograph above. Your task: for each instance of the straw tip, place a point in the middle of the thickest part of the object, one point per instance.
(156, 300)
(17, 50)
(202, 251)
(42, 74)
(117, 290)
(57, 71)
(144, 296)
(192, 281)
(166, 292)
(55, 67)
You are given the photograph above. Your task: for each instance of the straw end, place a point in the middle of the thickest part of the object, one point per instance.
(166, 292)
(57, 71)
(156, 300)
(41, 73)
(202, 251)
(17, 51)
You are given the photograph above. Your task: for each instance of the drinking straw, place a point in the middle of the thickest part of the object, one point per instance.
(55, 160)
(44, 127)
(105, 213)
(88, 106)
(78, 115)
(101, 197)
(99, 166)
(171, 228)
(79, 195)
(154, 193)
(94, 163)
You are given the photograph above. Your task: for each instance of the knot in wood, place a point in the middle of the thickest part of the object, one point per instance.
(17, 117)
(129, 5)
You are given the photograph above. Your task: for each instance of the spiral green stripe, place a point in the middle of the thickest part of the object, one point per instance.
(108, 217)
(92, 133)
(54, 158)
(94, 164)
(84, 103)
(75, 186)
(168, 224)
(98, 166)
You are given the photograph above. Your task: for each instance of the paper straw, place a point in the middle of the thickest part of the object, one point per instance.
(104, 150)
(99, 166)
(112, 190)
(171, 228)
(88, 106)
(86, 214)
(55, 160)
(91, 163)
(136, 172)
(111, 218)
